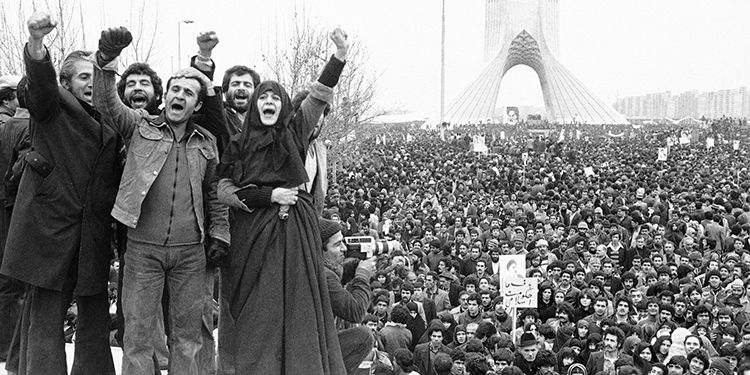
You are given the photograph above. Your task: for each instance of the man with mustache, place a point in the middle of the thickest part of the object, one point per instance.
(238, 85)
(167, 199)
(141, 88)
(604, 360)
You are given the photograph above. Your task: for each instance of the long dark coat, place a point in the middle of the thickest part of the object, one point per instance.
(62, 211)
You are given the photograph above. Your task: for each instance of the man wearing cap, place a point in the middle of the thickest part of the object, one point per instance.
(719, 366)
(526, 354)
(350, 303)
(713, 290)
(8, 100)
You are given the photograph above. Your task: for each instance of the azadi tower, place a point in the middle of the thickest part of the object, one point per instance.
(526, 32)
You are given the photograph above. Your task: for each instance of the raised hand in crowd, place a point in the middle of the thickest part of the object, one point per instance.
(39, 24)
(340, 39)
(207, 41)
(112, 41)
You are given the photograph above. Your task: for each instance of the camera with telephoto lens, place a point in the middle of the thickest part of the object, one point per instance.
(363, 247)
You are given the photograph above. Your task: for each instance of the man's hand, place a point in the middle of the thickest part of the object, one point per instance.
(368, 264)
(339, 38)
(216, 255)
(40, 24)
(206, 40)
(113, 41)
(195, 74)
(284, 196)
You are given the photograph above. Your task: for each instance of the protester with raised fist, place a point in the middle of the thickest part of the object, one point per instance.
(168, 176)
(263, 168)
(59, 236)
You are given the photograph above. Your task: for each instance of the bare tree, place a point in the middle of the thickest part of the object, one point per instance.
(301, 61)
(13, 35)
(144, 27)
(70, 33)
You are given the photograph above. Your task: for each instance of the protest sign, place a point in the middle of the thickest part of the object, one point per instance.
(519, 292)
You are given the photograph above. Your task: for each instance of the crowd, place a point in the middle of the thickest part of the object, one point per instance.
(144, 195)
(642, 265)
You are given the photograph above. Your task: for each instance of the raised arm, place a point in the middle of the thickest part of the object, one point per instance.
(43, 92)
(211, 114)
(321, 92)
(114, 112)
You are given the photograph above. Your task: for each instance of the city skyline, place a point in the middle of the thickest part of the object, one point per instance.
(697, 104)
(618, 48)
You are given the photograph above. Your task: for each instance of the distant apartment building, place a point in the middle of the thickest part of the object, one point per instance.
(711, 104)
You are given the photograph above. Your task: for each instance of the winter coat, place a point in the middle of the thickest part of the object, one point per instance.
(66, 193)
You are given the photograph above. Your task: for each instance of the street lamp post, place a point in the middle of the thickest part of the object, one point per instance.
(179, 41)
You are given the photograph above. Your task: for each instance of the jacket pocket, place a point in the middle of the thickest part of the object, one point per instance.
(149, 139)
(39, 163)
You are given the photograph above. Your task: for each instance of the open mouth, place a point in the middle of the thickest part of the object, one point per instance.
(138, 99)
(241, 95)
(177, 107)
(269, 111)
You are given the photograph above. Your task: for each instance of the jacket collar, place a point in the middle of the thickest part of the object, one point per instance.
(190, 128)
(21, 113)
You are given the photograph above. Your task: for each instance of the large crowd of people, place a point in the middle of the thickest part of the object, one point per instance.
(159, 210)
(636, 258)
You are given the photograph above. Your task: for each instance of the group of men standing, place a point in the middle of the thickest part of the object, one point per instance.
(93, 150)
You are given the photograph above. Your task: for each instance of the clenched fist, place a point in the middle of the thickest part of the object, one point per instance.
(40, 24)
(206, 40)
(113, 41)
(339, 38)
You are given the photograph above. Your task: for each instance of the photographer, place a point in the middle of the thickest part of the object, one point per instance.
(349, 304)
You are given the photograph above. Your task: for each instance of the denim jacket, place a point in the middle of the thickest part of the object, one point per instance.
(149, 140)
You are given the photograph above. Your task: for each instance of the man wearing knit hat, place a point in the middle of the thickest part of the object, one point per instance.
(526, 354)
(349, 304)
(719, 366)
(8, 100)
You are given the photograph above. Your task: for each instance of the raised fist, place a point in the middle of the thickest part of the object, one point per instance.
(339, 38)
(206, 40)
(113, 41)
(40, 24)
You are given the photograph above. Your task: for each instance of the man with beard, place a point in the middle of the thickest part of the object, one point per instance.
(437, 295)
(141, 88)
(494, 261)
(349, 304)
(604, 360)
(238, 85)
(165, 244)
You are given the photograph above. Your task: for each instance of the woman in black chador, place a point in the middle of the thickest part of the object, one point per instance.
(279, 300)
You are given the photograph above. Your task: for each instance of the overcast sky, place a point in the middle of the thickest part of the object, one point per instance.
(615, 47)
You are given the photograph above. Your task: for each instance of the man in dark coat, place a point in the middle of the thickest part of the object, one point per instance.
(59, 236)
(349, 304)
(14, 143)
(604, 360)
(424, 354)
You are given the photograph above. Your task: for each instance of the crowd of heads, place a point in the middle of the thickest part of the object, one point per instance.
(632, 255)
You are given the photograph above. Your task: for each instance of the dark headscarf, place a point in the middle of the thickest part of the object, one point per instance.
(267, 155)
